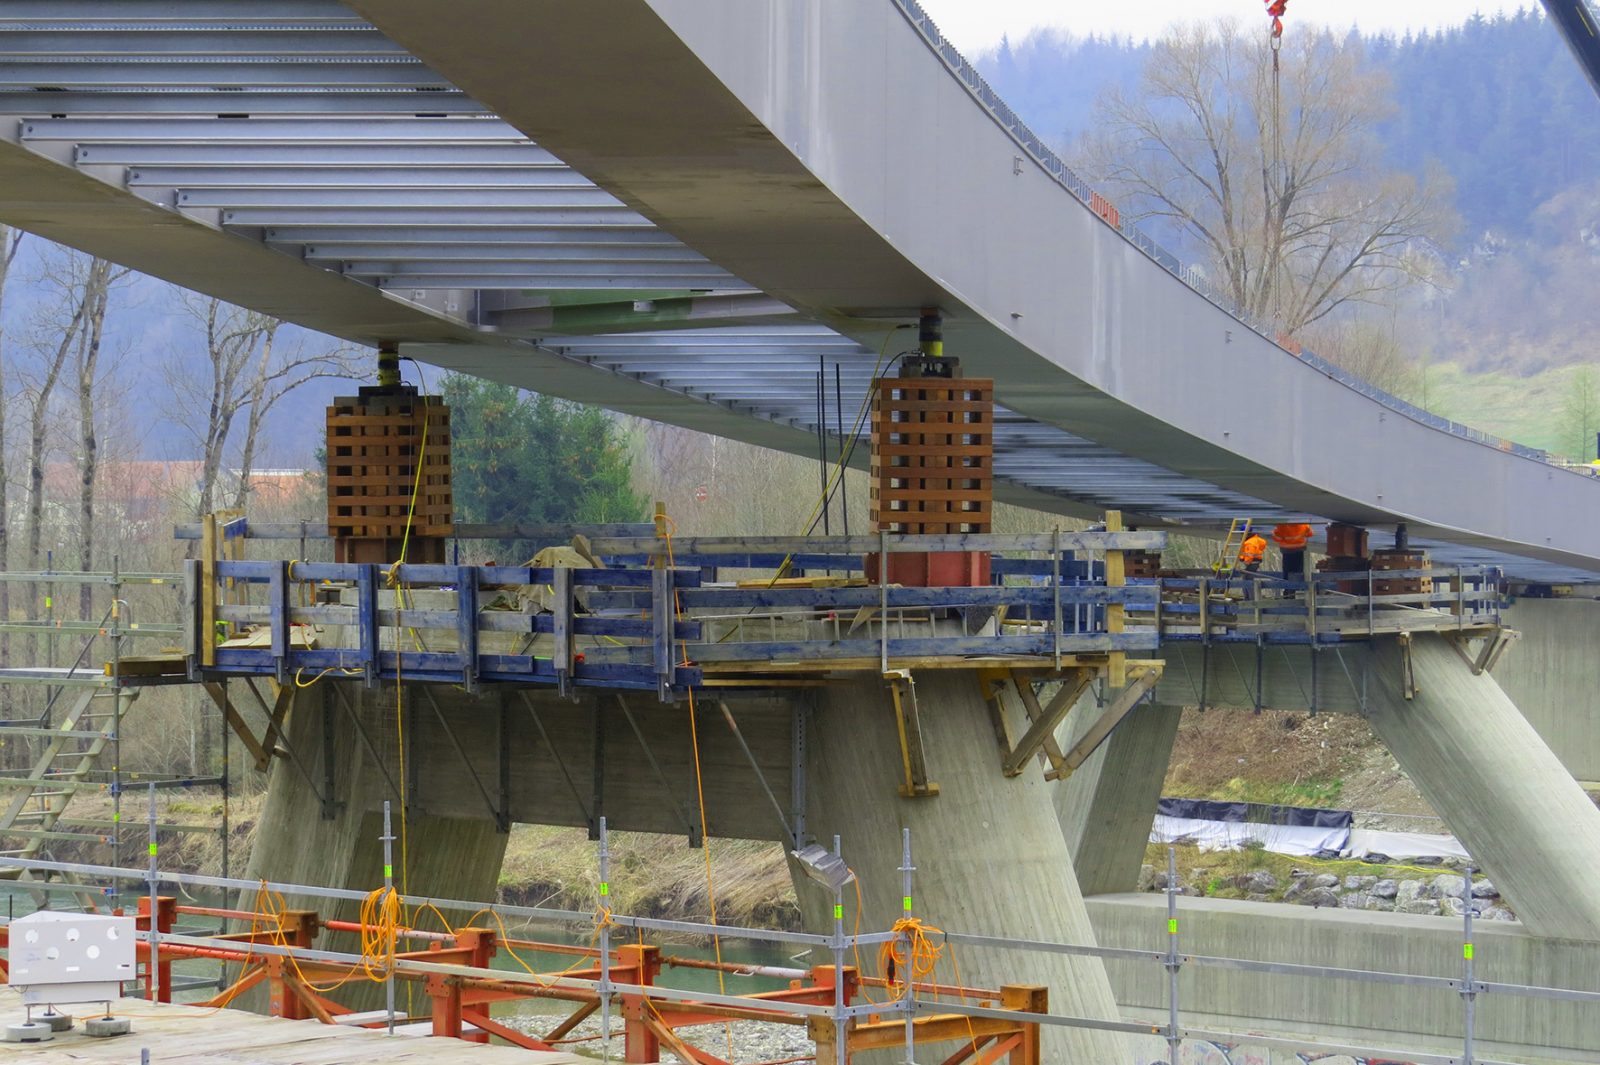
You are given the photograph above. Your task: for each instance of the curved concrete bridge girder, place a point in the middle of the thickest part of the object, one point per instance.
(825, 153)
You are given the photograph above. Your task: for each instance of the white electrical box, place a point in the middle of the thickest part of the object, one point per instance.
(71, 957)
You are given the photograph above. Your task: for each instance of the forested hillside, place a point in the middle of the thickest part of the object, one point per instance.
(1499, 109)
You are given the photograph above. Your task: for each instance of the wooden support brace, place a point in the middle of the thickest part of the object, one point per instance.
(913, 756)
(1139, 685)
(240, 728)
(993, 684)
(1408, 676)
(1044, 722)
(1029, 698)
(1498, 644)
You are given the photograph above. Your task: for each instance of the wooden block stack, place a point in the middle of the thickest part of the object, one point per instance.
(375, 442)
(1396, 561)
(1348, 552)
(932, 455)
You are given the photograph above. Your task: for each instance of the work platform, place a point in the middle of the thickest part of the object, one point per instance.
(661, 615)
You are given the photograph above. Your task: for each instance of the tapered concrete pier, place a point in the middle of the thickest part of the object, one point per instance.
(1501, 789)
(448, 857)
(1107, 806)
(988, 850)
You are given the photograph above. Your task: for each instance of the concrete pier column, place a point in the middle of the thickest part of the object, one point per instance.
(452, 857)
(1508, 798)
(1553, 675)
(989, 853)
(1107, 806)
(295, 842)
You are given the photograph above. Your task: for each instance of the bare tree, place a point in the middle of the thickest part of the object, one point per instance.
(98, 280)
(10, 243)
(248, 369)
(52, 360)
(1276, 180)
(1369, 350)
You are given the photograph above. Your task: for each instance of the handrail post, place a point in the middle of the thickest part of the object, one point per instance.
(1055, 584)
(1173, 962)
(1469, 989)
(908, 966)
(603, 919)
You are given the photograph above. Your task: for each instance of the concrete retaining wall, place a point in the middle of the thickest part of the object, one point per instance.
(1505, 952)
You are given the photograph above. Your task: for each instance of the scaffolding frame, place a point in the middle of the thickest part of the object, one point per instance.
(918, 1012)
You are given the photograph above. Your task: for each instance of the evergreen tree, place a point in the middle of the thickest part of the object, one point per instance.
(521, 458)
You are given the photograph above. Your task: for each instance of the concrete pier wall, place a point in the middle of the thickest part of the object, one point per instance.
(296, 843)
(989, 850)
(1553, 675)
(1326, 1007)
(1107, 806)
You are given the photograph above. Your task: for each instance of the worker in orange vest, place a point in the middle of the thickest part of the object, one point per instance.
(1252, 551)
(1291, 540)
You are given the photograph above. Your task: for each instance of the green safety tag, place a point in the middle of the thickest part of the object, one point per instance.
(605, 889)
(906, 902)
(115, 818)
(48, 602)
(152, 850)
(388, 872)
(1172, 926)
(838, 912)
(1466, 951)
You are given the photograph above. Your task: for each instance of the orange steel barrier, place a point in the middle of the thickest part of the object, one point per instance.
(460, 1002)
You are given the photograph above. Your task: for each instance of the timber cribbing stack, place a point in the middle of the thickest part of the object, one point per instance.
(932, 455)
(376, 442)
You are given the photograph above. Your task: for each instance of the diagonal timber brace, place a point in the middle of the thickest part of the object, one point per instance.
(1043, 722)
(1488, 654)
(913, 756)
(241, 728)
(1141, 681)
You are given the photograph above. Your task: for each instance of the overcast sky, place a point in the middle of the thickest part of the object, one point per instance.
(978, 24)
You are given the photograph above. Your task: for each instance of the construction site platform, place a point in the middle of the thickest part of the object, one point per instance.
(177, 1034)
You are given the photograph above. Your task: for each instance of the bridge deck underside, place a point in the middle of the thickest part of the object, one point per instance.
(295, 159)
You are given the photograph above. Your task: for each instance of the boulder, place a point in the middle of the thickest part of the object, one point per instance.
(1418, 906)
(1385, 889)
(1409, 891)
(1259, 882)
(1319, 897)
(1322, 880)
(1485, 889)
(1447, 886)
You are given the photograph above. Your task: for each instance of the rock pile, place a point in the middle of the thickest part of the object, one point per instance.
(1444, 895)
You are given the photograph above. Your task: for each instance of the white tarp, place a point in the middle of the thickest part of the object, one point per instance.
(1365, 841)
(1231, 835)
(1303, 842)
